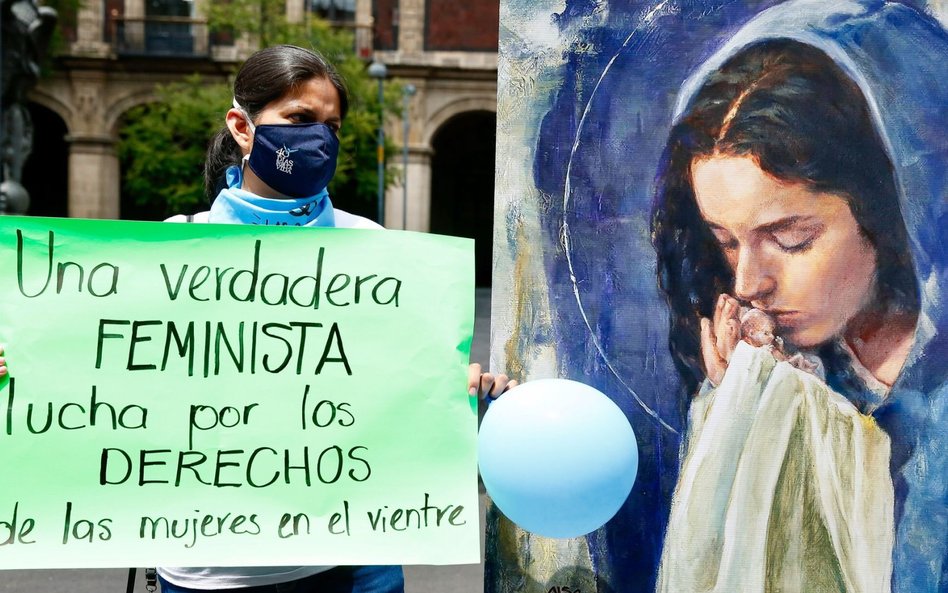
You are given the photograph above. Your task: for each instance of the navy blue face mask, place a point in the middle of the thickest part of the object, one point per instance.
(297, 160)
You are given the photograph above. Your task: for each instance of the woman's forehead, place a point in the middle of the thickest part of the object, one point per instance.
(316, 94)
(734, 193)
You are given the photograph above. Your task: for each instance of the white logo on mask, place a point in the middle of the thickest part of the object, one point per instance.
(283, 162)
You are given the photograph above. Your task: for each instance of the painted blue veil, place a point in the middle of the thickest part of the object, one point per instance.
(899, 59)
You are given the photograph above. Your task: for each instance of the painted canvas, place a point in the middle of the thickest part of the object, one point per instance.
(729, 216)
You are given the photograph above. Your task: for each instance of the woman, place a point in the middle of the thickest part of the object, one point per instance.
(803, 177)
(270, 165)
(285, 99)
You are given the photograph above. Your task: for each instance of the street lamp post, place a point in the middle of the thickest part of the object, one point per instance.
(378, 71)
(407, 92)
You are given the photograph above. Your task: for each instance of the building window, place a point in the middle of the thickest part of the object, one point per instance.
(168, 8)
(385, 16)
(167, 29)
(335, 11)
(462, 26)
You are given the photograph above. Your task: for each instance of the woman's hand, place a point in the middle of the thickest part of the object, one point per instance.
(484, 384)
(3, 364)
(719, 337)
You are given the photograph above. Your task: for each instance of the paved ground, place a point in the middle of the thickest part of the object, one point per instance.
(418, 579)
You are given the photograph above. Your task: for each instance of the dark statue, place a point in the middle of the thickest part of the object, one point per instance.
(26, 29)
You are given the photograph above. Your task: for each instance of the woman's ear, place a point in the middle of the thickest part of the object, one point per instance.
(239, 130)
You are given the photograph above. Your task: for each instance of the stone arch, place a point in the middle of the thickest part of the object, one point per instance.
(455, 108)
(117, 110)
(54, 104)
(46, 169)
(462, 183)
(128, 208)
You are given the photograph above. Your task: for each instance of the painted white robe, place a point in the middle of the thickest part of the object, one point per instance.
(785, 486)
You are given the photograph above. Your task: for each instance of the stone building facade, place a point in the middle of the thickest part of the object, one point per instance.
(120, 49)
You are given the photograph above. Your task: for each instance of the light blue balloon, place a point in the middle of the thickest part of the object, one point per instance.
(557, 457)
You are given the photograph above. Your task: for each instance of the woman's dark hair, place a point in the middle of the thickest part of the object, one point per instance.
(266, 76)
(803, 120)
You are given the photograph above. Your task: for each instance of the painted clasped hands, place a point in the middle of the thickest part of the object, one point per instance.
(719, 337)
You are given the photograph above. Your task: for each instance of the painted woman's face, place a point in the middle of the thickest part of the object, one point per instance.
(796, 253)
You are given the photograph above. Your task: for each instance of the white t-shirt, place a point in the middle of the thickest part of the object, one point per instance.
(234, 577)
(343, 219)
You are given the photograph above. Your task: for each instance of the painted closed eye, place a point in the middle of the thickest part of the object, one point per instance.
(796, 240)
(725, 240)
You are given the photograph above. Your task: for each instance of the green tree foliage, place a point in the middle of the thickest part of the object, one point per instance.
(162, 144)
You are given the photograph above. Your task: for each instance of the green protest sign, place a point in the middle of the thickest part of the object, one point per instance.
(210, 395)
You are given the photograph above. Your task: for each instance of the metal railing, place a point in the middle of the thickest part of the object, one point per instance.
(160, 36)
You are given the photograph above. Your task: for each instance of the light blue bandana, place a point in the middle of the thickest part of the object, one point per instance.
(238, 206)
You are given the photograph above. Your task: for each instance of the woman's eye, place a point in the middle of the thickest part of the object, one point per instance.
(796, 242)
(728, 244)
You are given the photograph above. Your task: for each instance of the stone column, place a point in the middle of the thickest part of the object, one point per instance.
(411, 27)
(93, 177)
(295, 10)
(363, 28)
(419, 193)
(90, 24)
(93, 163)
(417, 213)
(134, 25)
(199, 28)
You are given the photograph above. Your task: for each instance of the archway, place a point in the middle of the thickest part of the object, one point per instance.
(462, 184)
(46, 170)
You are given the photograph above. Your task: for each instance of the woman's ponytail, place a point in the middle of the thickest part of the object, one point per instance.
(222, 152)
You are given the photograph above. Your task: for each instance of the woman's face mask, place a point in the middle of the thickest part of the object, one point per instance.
(297, 160)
